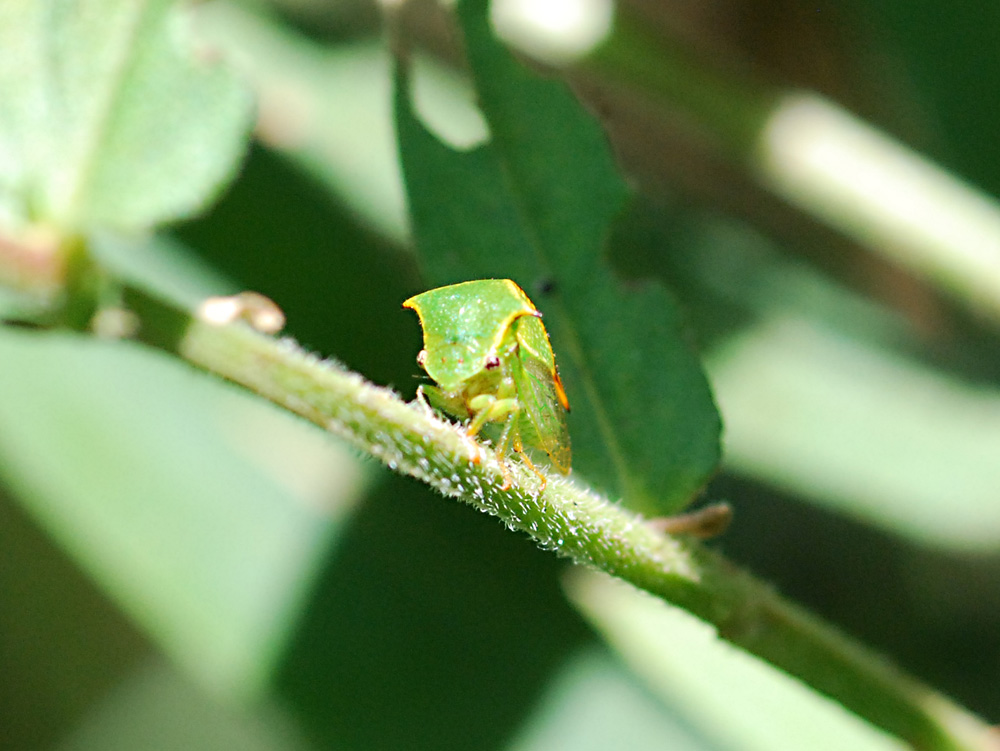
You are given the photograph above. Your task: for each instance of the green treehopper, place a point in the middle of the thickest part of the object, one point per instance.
(486, 348)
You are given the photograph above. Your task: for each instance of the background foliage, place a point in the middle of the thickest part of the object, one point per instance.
(183, 566)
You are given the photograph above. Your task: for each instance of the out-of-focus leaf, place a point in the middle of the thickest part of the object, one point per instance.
(156, 708)
(593, 703)
(52, 616)
(108, 117)
(536, 204)
(326, 107)
(937, 51)
(201, 511)
(740, 702)
(323, 275)
(433, 619)
(864, 432)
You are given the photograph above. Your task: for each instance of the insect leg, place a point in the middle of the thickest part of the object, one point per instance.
(422, 399)
(434, 401)
(481, 417)
(520, 450)
(501, 449)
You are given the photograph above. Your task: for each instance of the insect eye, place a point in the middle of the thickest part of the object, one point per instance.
(492, 362)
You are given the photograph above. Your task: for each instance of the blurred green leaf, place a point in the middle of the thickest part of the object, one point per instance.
(156, 708)
(432, 628)
(861, 430)
(52, 616)
(938, 51)
(328, 107)
(200, 510)
(536, 205)
(109, 118)
(738, 701)
(312, 256)
(595, 703)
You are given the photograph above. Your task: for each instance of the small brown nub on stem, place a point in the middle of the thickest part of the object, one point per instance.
(703, 523)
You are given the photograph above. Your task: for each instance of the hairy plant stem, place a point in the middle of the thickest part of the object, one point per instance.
(568, 518)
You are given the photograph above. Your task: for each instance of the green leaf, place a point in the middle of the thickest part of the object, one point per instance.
(593, 703)
(536, 204)
(108, 118)
(733, 699)
(863, 431)
(201, 511)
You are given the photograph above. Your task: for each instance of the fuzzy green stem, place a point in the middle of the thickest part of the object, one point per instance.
(568, 518)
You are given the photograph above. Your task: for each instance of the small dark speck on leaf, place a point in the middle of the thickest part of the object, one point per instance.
(545, 286)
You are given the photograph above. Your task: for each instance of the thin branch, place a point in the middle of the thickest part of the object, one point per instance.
(568, 518)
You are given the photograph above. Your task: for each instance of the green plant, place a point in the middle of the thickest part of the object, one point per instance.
(342, 606)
